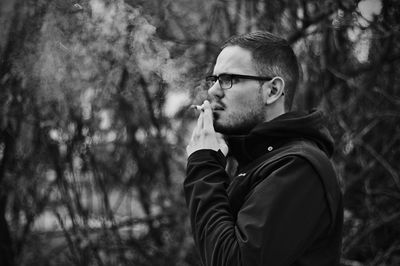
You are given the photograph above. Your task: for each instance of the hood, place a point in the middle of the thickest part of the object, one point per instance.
(279, 132)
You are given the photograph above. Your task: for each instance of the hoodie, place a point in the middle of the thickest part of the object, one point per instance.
(278, 132)
(284, 206)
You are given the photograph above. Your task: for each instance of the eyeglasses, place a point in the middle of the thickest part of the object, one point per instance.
(226, 80)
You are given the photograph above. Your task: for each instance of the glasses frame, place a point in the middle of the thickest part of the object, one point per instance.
(213, 78)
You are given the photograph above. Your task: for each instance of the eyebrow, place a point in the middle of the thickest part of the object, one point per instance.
(245, 76)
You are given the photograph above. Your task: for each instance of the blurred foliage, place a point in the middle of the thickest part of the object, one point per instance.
(94, 120)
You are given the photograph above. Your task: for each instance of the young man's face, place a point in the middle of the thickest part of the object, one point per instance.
(238, 109)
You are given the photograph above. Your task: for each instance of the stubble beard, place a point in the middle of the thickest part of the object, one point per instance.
(237, 124)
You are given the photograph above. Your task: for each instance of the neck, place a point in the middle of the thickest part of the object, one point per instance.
(274, 110)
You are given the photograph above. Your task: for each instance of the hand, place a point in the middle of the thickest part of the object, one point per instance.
(204, 135)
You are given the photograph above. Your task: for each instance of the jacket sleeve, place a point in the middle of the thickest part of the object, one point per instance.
(278, 220)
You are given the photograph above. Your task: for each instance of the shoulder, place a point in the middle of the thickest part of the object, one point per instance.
(288, 168)
(299, 154)
(284, 169)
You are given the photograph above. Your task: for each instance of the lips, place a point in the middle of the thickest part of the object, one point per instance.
(217, 106)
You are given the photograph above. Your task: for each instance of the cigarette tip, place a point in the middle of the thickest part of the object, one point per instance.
(197, 107)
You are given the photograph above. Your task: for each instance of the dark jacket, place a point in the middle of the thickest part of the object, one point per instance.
(284, 206)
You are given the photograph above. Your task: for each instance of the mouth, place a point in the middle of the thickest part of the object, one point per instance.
(217, 107)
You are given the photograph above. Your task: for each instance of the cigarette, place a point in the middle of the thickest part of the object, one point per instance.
(198, 107)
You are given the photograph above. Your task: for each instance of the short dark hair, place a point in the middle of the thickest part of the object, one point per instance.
(272, 56)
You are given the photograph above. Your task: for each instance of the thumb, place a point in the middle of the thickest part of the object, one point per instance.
(223, 146)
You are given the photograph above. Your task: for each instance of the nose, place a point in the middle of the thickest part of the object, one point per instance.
(216, 91)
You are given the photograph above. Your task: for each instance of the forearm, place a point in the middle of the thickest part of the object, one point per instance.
(212, 222)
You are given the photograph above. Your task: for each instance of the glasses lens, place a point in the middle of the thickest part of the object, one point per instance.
(210, 81)
(225, 81)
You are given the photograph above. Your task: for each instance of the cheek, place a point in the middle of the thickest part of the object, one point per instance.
(244, 110)
(245, 102)
(237, 99)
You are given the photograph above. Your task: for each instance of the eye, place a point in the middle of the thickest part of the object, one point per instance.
(235, 79)
(225, 79)
(210, 80)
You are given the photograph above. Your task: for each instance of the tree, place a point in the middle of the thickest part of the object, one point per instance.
(94, 120)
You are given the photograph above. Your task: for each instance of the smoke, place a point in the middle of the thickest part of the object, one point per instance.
(153, 56)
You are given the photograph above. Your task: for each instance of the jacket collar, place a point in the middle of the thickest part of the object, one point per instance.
(278, 132)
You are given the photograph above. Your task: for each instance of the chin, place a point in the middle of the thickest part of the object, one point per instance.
(229, 129)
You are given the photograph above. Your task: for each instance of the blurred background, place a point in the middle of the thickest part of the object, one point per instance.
(94, 119)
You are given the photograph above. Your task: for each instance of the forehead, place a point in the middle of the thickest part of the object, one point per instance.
(234, 60)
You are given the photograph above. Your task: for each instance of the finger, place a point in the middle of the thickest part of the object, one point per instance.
(199, 125)
(222, 143)
(220, 137)
(208, 117)
(196, 128)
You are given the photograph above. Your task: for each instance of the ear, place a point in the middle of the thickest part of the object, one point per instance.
(273, 90)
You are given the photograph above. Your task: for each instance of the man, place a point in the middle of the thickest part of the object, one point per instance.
(284, 206)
